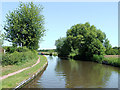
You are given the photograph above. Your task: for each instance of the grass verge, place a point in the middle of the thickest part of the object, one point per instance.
(114, 61)
(12, 68)
(13, 81)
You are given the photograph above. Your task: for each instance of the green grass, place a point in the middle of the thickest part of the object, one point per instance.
(14, 80)
(115, 61)
(12, 68)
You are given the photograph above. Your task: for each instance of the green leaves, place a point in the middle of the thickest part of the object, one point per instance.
(24, 26)
(84, 40)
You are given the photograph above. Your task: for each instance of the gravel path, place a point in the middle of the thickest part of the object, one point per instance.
(11, 74)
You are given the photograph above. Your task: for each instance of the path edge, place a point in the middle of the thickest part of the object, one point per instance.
(23, 83)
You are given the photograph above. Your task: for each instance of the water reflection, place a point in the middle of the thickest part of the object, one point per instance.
(50, 57)
(75, 74)
(85, 74)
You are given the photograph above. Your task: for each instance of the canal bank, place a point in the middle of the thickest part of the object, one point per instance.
(112, 60)
(62, 73)
(20, 79)
(40, 71)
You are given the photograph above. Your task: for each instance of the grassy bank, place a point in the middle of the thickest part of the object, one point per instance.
(14, 80)
(114, 61)
(12, 68)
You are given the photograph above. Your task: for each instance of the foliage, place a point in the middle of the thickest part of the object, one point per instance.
(24, 26)
(51, 51)
(17, 57)
(46, 50)
(113, 51)
(63, 47)
(2, 36)
(73, 53)
(22, 49)
(115, 61)
(98, 58)
(9, 49)
(107, 46)
(82, 40)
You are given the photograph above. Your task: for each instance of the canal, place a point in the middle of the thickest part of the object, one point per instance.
(62, 73)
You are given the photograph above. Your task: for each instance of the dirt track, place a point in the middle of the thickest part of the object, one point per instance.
(112, 56)
(11, 74)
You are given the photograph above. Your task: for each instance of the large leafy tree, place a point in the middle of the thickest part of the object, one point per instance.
(24, 26)
(85, 40)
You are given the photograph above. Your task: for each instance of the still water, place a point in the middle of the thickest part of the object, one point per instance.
(62, 73)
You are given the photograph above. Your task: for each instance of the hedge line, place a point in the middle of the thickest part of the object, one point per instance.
(20, 55)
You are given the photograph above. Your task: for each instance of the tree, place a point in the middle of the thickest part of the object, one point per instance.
(24, 26)
(87, 39)
(63, 47)
(83, 40)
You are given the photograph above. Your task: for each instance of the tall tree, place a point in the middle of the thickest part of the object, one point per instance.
(24, 26)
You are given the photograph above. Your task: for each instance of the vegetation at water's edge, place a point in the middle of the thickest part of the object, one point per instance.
(46, 50)
(14, 80)
(86, 42)
(82, 41)
(114, 61)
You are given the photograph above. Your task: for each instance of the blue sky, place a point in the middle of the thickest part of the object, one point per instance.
(60, 16)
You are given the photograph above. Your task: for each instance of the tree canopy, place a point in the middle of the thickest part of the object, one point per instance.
(25, 25)
(83, 40)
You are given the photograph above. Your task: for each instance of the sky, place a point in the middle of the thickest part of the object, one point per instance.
(60, 16)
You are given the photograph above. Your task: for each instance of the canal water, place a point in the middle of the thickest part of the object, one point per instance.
(62, 73)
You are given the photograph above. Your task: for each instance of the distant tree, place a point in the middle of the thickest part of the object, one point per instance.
(108, 47)
(24, 26)
(115, 47)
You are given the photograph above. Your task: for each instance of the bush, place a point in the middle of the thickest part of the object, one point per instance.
(9, 49)
(98, 58)
(22, 49)
(18, 57)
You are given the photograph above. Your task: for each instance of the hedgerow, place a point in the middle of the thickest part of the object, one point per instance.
(19, 56)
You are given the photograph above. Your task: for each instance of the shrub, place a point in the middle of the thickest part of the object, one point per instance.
(22, 49)
(9, 49)
(98, 58)
(18, 57)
